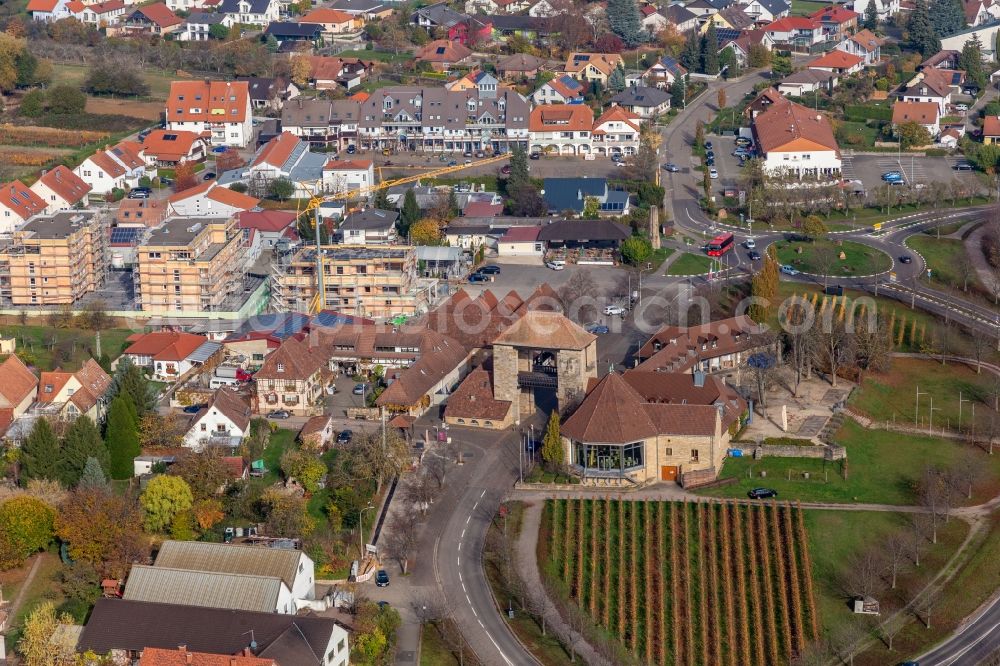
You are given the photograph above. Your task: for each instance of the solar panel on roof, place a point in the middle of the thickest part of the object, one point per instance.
(124, 235)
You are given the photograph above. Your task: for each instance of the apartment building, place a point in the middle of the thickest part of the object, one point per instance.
(190, 265)
(362, 281)
(55, 259)
(487, 117)
(219, 108)
(322, 122)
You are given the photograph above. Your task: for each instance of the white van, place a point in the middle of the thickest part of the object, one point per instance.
(556, 264)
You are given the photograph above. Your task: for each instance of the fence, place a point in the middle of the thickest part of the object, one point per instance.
(828, 452)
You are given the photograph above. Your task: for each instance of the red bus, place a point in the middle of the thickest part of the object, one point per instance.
(720, 245)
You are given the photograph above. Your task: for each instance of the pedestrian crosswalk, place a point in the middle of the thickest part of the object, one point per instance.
(847, 168)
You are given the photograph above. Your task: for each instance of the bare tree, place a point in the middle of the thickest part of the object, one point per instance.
(832, 345)
(826, 261)
(382, 455)
(967, 272)
(797, 339)
(967, 471)
(980, 347)
(400, 537)
(862, 577)
(933, 494)
(847, 640)
(579, 297)
(889, 626)
(917, 536)
(872, 344)
(925, 603)
(894, 551)
(536, 604)
(421, 490)
(430, 606)
(436, 466)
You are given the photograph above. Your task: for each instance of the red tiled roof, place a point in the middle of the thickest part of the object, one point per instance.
(160, 14)
(347, 165)
(443, 50)
(836, 59)
(152, 656)
(166, 345)
(925, 113)
(169, 145)
(790, 23)
(66, 184)
(620, 114)
(326, 15)
(277, 151)
(50, 383)
(561, 118)
(473, 399)
(265, 220)
(16, 381)
(792, 127)
(482, 209)
(991, 126)
(834, 14)
(41, 5)
(216, 101)
(520, 235)
(19, 198)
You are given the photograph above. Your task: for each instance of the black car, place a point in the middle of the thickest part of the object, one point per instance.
(278, 414)
(906, 259)
(762, 493)
(208, 176)
(963, 166)
(478, 277)
(345, 437)
(708, 145)
(535, 156)
(351, 149)
(192, 409)
(797, 238)
(489, 269)
(382, 578)
(710, 162)
(754, 255)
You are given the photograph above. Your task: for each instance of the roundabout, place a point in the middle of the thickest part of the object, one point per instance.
(833, 258)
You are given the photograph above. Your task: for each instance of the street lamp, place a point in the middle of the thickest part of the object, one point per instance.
(361, 527)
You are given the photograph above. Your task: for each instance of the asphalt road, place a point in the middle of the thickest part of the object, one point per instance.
(972, 644)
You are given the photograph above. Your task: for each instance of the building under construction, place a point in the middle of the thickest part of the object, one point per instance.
(55, 259)
(188, 266)
(359, 280)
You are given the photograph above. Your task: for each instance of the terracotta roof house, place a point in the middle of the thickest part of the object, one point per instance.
(837, 20)
(119, 167)
(428, 381)
(292, 378)
(169, 354)
(991, 130)
(651, 426)
(838, 62)
(181, 656)
(75, 393)
(762, 102)
(169, 148)
(472, 404)
(17, 389)
(589, 67)
(443, 54)
(932, 84)
(18, 203)
(317, 433)
(209, 199)
(560, 90)
(864, 43)
(217, 109)
(61, 189)
(925, 114)
(269, 224)
(718, 346)
(154, 19)
(334, 21)
(560, 128)
(663, 72)
(141, 212)
(795, 30)
(797, 140)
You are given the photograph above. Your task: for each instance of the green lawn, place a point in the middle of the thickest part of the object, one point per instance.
(882, 468)
(659, 256)
(806, 7)
(281, 440)
(74, 75)
(48, 348)
(947, 260)
(690, 264)
(434, 650)
(44, 587)
(837, 536)
(893, 396)
(857, 135)
(822, 257)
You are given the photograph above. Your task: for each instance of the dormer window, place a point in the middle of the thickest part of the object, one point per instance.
(281, 367)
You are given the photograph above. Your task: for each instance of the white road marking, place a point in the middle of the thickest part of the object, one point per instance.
(458, 560)
(460, 546)
(481, 495)
(972, 645)
(463, 534)
(467, 521)
(465, 590)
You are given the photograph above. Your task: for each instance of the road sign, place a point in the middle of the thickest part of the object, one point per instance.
(892, 277)
(928, 272)
(877, 226)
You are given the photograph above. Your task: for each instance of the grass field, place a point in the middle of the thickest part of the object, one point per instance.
(806, 7)
(157, 80)
(281, 440)
(821, 257)
(893, 396)
(684, 582)
(48, 348)
(882, 468)
(690, 264)
(946, 258)
(835, 537)
(857, 135)
(151, 111)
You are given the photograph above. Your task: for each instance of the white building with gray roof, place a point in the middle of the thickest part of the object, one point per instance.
(263, 594)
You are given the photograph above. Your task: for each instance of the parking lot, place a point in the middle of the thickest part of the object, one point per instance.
(916, 169)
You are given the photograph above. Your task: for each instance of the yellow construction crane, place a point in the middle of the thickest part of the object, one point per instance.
(317, 199)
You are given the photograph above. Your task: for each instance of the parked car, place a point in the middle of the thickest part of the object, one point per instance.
(789, 270)
(219, 150)
(556, 264)
(467, 153)
(597, 329)
(753, 255)
(351, 149)
(453, 163)
(209, 175)
(970, 90)
(480, 154)
(344, 437)
(709, 154)
(905, 259)
(713, 174)
(476, 278)
(614, 310)
(762, 493)
(710, 162)
(140, 193)
(671, 167)
(505, 169)
(166, 182)
(743, 142)
(193, 409)
(359, 389)
(708, 145)
(892, 176)
(489, 269)
(962, 107)
(963, 166)
(280, 414)
(535, 156)
(382, 578)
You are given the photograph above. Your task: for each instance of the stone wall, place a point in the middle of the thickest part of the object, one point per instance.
(505, 374)
(785, 451)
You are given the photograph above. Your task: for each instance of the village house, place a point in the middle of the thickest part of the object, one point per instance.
(663, 73)
(991, 130)
(590, 67)
(74, 394)
(796, 140)
(168, 355)
(795, 31)
(933, 85)
(838, 62)
(154, 19)
(170, 148)
(766, 11)
(863, 43)
(443, 54)
(220, 109)
(209, 199)
(335, 23)
(292, 378)
(884, 9)
(18, 203)
(561, 129)
(369, 227)
(251, 12)
(120, 167)
(837, 20)
(17, 390)
(925, 114)
(61, 189)
(562, 90)
(223, 421)
(101, 14)
(644, 102)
